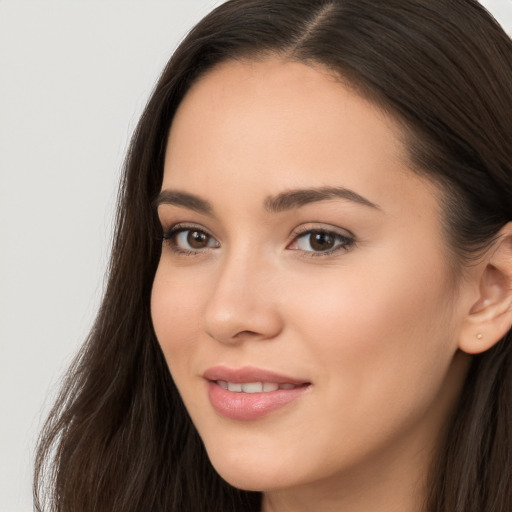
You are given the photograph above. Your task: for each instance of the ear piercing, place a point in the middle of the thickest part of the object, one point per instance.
(479, 336)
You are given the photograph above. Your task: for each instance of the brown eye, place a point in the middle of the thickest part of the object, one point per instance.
(197, 239)
(320, 241)
(188, 240)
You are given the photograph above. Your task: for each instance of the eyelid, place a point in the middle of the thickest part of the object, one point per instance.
(347, 238)
(172, 228)
(344, 237)
(324, 228)
(175, 229)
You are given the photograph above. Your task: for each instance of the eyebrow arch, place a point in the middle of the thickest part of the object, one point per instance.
(301, 197)
(273, 204)
(190, 201)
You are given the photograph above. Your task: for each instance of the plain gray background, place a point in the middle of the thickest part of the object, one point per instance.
(74, 76)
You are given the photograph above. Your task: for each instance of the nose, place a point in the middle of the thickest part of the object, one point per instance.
(243, 304)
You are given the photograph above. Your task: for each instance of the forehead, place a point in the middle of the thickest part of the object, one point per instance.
(267, 126)
(279, 93)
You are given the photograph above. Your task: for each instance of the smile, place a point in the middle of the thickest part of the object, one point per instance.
(254, 387)
(249, 393)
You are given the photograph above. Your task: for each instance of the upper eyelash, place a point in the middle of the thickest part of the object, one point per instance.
(348, 241)
(168, 234)
(177, 228)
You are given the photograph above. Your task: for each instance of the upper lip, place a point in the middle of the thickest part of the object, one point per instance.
(249, 374)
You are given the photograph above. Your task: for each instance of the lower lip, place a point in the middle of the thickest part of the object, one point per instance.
(250, 406)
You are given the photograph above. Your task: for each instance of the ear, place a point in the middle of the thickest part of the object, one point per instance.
(490, 316)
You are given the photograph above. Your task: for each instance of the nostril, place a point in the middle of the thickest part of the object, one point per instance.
(246, 334)
(239, 336)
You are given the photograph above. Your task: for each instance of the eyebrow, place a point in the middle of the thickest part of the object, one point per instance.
(301, 197)
(274, 204)
(190, 201)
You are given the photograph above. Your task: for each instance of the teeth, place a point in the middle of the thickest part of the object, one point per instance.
(253, 387)
(232, 386)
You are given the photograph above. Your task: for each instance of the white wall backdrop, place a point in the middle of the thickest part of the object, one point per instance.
(74, 76)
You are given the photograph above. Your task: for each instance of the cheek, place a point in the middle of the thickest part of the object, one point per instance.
(175, 311)
(377, 336)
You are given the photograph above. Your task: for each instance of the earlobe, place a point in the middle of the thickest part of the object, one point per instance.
(490, 316)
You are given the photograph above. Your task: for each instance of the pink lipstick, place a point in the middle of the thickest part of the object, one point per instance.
(250, 393)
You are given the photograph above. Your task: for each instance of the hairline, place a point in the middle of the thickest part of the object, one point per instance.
(408, 135)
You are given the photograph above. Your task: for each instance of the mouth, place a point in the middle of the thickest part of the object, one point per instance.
(249, 393)
(255, 387)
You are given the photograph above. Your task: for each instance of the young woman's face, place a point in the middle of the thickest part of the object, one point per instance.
(304, 269)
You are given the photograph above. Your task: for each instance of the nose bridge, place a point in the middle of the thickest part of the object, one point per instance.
(241, 304)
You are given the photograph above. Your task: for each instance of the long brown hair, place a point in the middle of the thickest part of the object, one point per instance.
(119, 438)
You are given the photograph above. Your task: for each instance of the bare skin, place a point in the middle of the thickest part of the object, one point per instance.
(351, 293)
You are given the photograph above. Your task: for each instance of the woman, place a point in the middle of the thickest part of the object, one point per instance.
(314, 241)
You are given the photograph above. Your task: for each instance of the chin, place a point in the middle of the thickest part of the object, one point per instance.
(249, 479)
(243, 472)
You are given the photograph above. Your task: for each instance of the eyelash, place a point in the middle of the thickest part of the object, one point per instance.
(177, 229)
(344, 242)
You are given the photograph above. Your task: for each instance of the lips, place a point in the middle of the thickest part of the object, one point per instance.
(250, 393)
(253, 387)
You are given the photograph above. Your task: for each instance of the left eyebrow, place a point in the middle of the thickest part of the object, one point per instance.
(301, 197)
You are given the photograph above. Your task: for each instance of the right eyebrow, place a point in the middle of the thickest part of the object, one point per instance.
(190, 201)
